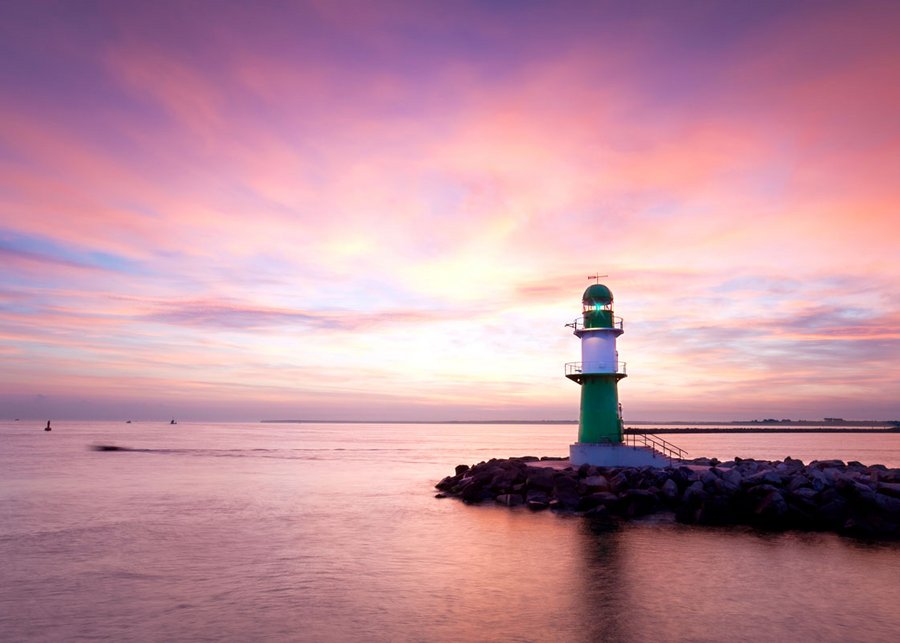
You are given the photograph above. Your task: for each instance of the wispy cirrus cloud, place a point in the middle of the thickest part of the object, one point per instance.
(238, 315)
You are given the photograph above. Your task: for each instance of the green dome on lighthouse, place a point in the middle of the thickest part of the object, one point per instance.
(597, 294)
(597, 304)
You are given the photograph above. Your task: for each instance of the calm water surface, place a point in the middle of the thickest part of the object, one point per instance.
(331, 532)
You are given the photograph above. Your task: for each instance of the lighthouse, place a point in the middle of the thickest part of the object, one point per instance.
(600, 429)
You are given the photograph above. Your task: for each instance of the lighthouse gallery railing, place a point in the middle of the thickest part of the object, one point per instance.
(577, 368)
(578, 324)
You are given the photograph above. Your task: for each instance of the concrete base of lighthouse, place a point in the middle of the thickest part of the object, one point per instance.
(615, 455)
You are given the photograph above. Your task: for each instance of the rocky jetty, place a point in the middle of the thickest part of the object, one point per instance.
(824, 495)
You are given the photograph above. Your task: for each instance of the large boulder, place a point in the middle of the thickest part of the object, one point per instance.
(539, 478)
(696, 488)
(888, 505)
(638, 502)
(605, 498)
(587, 470)
(566, 498)
(715, 510)
(536, 499)
(771, 512)
(509, 499)
(669, 490)
(619, 482)
(833, 513)
(593, 483)
(888, 488)
(731, 480)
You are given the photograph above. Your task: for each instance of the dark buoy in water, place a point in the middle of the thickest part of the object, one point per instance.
(47, 428)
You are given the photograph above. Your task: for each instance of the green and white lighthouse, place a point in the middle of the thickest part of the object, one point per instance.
(600, 429)
(599, 370)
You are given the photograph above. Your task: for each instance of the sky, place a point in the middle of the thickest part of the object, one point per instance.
(389, 210)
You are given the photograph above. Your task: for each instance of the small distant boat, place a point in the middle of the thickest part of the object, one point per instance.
(47, 428)
(173, 421)
(127, 421)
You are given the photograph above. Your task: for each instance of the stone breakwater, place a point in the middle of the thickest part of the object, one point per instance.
(824, 495)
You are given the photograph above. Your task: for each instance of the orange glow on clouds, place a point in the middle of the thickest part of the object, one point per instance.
(232, 212)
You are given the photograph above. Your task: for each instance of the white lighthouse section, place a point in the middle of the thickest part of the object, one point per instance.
(598, 350)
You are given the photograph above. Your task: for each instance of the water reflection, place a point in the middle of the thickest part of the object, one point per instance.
(650, 582)
(604, 591)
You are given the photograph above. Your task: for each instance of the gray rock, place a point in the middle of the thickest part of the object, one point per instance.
(733, 478)
(709, 478)
(818, 479)
(669, 489)
(638, 502)
(888, 504)
(509, 499)
(822, 464)
(537, 496)
(694, 489)
(598, 498)
(833, 514)
(540, 479)
(715, 510)
(774, 478)
(619, 482)
(804, 492)
(595, 483)
(797, 481)
(566, 499)
(889, 488)
(760, 490)
(474, 493)
(747, 467)
(772, 510)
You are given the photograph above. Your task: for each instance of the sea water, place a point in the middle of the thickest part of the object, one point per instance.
(331, 532)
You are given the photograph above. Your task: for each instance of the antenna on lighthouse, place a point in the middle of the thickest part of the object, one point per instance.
(597, 277)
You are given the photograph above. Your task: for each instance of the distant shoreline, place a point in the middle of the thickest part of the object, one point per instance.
(868, 428)
(797, 426)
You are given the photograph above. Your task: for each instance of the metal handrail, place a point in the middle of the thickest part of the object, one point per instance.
(577, 368)
(656, 443)
(578, 324)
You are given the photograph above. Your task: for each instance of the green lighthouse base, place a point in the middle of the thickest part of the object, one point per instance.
(616, 455)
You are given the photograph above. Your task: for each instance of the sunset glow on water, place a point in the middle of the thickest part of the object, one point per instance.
(331, 532)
